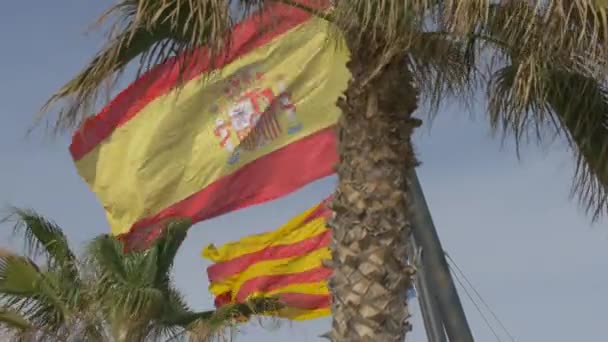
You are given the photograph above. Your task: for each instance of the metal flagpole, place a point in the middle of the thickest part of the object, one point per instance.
(435, 266)
(428, 306)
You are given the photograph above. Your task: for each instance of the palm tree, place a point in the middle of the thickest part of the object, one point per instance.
(543, 65)
(51, 298)
(136, 290)
(108, 296)
(139, 297)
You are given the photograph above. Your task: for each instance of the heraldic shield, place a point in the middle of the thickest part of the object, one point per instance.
(251, 120)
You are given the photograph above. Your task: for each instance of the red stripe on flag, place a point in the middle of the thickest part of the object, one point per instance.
(294, 300)
(320, 211)
(264, 179)
(305, 301)
(223, 299)
(269, 283)
(246, 36)
(220, 271)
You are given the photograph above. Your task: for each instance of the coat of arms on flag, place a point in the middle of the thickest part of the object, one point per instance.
(248, 113)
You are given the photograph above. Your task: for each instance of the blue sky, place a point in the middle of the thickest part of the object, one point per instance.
(510, 225)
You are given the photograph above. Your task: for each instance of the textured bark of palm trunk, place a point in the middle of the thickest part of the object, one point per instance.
(371, 224)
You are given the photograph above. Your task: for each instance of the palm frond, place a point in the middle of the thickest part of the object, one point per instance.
(384, 26)
(589, 18)
(204, 326)
(244, 311)
(130, 292)
(200, 331)
(139, 303)
(581, 105)
(168, 245)
(31, 293)
(105, 255)
(81, 95)
(549, 28)
(55, 307)
(391, 23)
(565, 103)
(139, 283)
(44, 236)
(152, 30)
(13, 319)
(172, 320)
(443, 67)
(160, 332)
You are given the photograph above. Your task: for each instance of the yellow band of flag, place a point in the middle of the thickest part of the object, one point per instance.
(269, 268)
(288, 233)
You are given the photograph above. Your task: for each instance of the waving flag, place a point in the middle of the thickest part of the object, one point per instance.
(286, 263)
(257, 128)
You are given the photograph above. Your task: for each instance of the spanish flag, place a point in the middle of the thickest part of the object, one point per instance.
(286, 263)
(248, 129)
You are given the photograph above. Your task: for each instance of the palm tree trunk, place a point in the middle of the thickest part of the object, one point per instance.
(371, 223)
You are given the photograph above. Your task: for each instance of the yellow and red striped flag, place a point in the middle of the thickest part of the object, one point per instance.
(286, 263)
(256, 129)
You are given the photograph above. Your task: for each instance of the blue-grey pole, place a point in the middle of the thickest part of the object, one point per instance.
(431, 316)
(441, 284)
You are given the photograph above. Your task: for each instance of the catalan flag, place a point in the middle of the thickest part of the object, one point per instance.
(250, 128)
(285, 263)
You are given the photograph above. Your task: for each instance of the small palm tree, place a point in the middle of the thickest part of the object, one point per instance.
(136, 291)
(139, 298)
(50, 298)
(108, 296)
(543, 65)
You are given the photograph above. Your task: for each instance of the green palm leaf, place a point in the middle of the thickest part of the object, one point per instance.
(581, 105)
(13, 319)
(32, 293)
(568, 104)
(136, 291)
(43, 236)
(130, 296)
(168, 245)
(532, 96)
